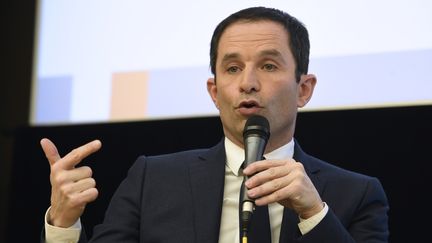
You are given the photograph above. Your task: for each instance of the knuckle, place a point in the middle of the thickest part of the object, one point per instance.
(251, 168)
(88, 171)
(276, 185)
(298, 174)
(59, 178)
(74, 201)
(80, 201)
(257, 179)
(69, 198)
(253, 180)
(75, 155)
(92, 182)
(94, 191)
(298, 165)
(259, 190)
(65, 190)
(272, 171)
(55, 167)
(277, 196)
(94, 194)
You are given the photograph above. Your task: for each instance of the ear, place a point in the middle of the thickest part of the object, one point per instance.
(212, 90)
(305, 89)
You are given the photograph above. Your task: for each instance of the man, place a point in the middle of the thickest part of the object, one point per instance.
(259, 58)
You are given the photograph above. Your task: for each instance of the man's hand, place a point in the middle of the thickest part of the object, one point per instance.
(283, 181)
(71, 188)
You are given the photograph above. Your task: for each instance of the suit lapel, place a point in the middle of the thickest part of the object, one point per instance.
(207, 183)
(289, 227)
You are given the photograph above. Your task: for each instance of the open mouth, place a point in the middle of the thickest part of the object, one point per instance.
(249, 107)
(249, 104)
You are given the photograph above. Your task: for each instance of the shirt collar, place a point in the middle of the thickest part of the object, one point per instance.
(235, 154)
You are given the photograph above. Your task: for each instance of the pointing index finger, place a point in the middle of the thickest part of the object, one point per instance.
(78, 154)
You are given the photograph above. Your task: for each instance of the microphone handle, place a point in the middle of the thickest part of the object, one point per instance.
(254, 150)
(247, 206)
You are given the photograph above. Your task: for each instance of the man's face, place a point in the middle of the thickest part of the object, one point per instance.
(255, 74)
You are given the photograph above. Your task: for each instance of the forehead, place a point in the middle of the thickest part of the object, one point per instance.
(254, 36)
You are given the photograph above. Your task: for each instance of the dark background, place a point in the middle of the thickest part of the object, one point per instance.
(392, 144)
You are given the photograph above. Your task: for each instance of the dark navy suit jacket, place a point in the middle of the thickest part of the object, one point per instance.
(178, 198)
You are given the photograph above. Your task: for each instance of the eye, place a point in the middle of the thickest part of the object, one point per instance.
(233, 69)
(269, 67)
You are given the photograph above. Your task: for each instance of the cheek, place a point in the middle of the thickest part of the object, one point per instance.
(282, 101)
(284, 94)
(283, 108)
(224, 95)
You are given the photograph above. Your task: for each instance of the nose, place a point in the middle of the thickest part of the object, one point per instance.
(250, 81)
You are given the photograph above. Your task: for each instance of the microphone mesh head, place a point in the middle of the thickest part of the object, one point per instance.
(257, 126)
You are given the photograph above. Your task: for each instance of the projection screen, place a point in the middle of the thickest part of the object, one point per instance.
(108, 60)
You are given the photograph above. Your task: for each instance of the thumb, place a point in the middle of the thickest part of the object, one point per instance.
(50, 150)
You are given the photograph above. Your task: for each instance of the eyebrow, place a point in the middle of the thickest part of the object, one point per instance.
(230, 56)
(273, 53)
(270, 52)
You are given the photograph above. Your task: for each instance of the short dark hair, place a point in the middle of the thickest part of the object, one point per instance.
(298, 36)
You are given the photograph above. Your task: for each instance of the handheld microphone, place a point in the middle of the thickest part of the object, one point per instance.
(255, 136)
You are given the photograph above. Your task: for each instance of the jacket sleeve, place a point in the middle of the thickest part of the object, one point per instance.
(367, 222)
(122, 218)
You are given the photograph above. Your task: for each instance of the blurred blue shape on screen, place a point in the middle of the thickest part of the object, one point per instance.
(54, 95)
